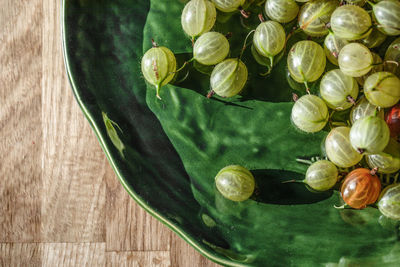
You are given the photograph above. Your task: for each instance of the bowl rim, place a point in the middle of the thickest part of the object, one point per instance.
(123, 181)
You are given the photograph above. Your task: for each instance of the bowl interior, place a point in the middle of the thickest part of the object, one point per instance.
(167, 152)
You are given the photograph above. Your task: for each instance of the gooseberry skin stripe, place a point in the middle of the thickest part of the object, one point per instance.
(306, 54)
(351, 22)
(382, 89)
(355, 60)
(282, 11)
(228, 5)
(269, 38)
(314, 16)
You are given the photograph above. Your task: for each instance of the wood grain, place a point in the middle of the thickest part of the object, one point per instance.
(20, 254)
(60, 202)
(139, 259)
(191, 258)
(74, 173)
(20, 120)
(135, 235)
(73, 254)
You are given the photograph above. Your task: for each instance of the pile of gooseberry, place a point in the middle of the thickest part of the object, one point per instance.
(350, 52)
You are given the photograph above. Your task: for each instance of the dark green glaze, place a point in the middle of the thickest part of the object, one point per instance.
(167, 152)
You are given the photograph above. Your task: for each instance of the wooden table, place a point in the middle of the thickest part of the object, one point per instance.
(60, 202)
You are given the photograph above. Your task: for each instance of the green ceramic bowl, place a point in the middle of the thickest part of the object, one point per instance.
(167, 153)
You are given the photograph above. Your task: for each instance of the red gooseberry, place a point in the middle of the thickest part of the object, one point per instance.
(360, 188)
(393, 120)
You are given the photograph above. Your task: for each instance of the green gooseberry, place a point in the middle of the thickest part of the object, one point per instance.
(198, 17)
(388, 161)
(339, 150)
(351, 22)
(229, 77)
(306, 61)
(310, 114)
(235, 183)
(382, 89)
(370, 135)
(387, 14)
(389, 202)
(314, 16)
(321, 175)
(338, 90)
(211, 48)
(158, 67)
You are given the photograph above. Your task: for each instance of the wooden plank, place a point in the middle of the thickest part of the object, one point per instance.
(20, 254)
(129, 227)
(73, 254)
(182, 254)
(20, 119)
(139, 259)
(74, 166)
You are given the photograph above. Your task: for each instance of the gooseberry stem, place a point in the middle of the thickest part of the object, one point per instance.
(261, 3)
(392, 62)
(271, 60)
(305, 161)
(338, 123)
(158, 91)
(261, 18)
(340, 207)
(351, 100)
(374, 171)
(245, 43)
(266, 73)
(210, 94)
(360, 150)
(295, 97)
(184, 65)
(370, 3)
(377, 109)
(184, 78)
(244, 13)
(154, 44)
(294, 30)
(271, 65)
(293, 181)
(307, 88)
(228, 35)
